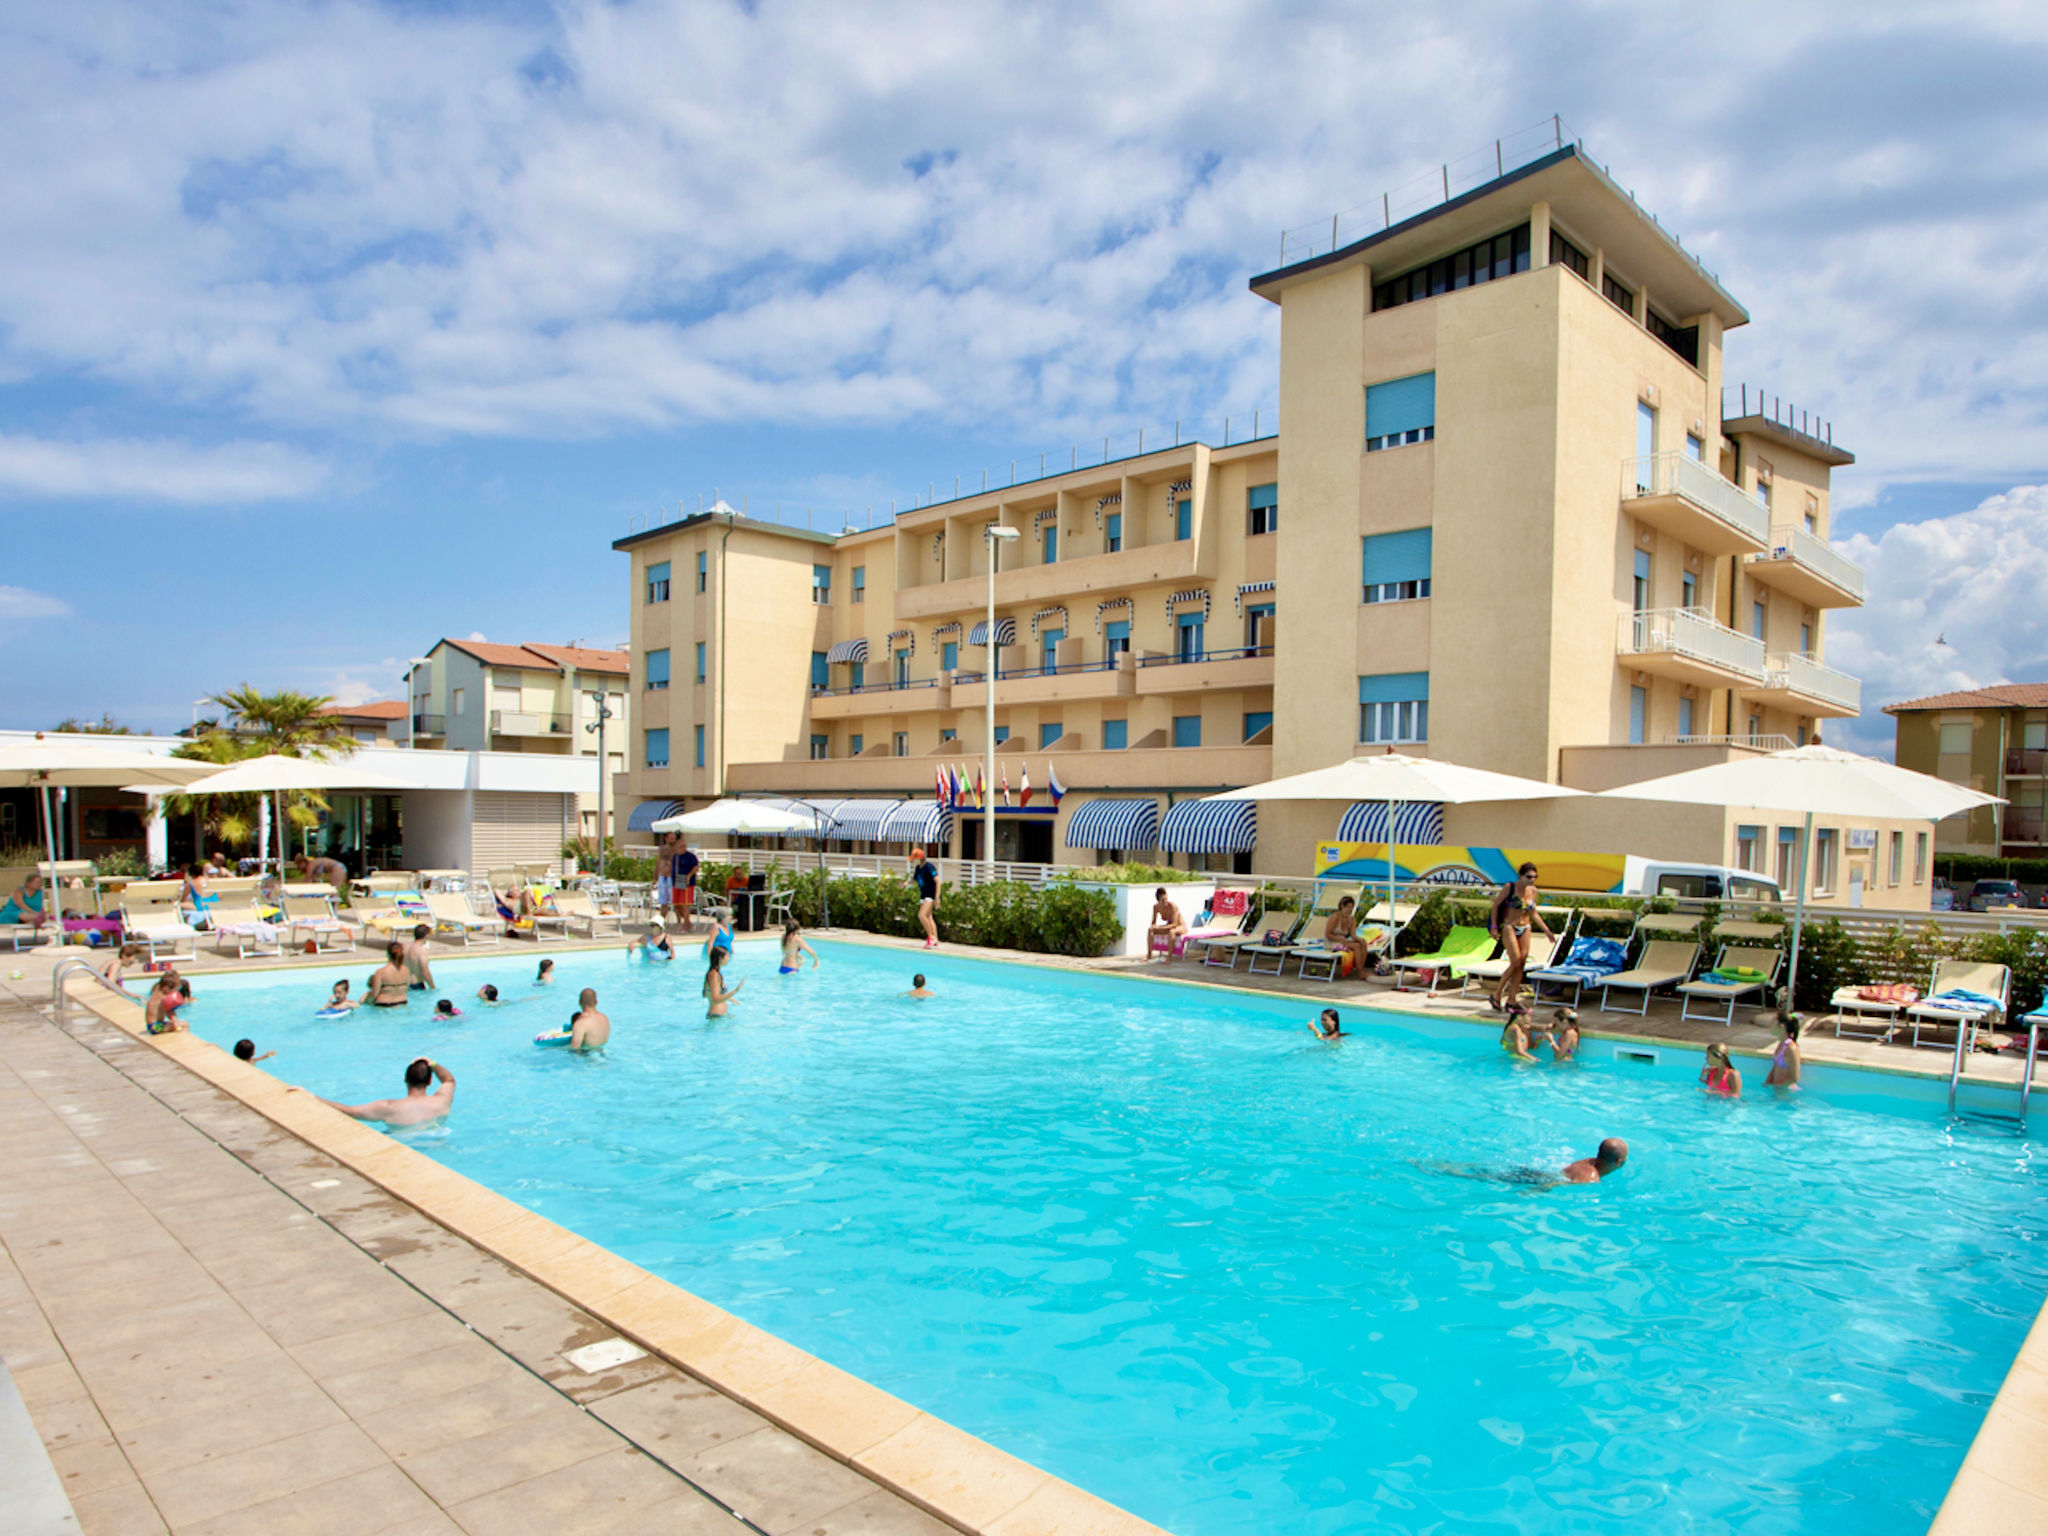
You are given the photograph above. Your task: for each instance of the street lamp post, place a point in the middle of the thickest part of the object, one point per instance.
(997, 535)
(604, 713)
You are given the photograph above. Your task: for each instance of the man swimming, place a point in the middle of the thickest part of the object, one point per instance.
(390, 985)
(418, 1106)
(1612, 1154)
(918, 988)
(590, 1029)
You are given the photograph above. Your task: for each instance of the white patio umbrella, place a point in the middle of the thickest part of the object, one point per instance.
(273, 775)
(44, 765)
(1398, 779)
(1806, 780)
(753, 818)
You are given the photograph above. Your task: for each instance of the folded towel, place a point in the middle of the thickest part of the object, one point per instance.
(1889, 992)
(1962, 1000)
(1735, 976)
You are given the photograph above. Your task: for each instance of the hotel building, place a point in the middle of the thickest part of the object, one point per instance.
(1992, 739)
(1504, 521)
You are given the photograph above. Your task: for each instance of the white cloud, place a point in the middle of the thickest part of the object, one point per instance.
(478, 636)
(150, 469)
(20, 605)
(1973, 582)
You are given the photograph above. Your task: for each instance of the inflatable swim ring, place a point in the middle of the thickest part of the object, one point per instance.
(334, 1013)
(554, 1037)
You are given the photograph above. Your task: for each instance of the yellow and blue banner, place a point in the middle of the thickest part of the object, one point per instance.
(1443, 864)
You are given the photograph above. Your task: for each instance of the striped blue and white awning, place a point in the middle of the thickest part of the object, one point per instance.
(1114, 824)
(861, 821)
(648, 812)
(1210, 826)
(918, 821)
(848, 650)
(1252, 589)
(1006, 632)
(1366, 822)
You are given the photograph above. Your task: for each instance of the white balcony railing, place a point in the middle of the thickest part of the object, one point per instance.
(1811, 680)
(1694, 634)
(1677, 474)
(1791, 541)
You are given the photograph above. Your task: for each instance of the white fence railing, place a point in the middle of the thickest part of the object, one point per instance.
(1810, 679)
(1693, 633)
(1678, 474)
(1791, 541)
(1762, 742)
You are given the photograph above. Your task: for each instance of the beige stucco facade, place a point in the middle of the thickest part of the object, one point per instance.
(1598, 567)
(1994, 740)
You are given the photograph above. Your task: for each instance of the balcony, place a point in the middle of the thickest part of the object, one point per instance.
(1803, 685)
(520, 722)
(1209, 672)
(881, 699)
(2025, 826)
(429, 725)
(2026, 763)
(1110, 679)
(1147, 565)
(1804, 565)
(1680, 496)
(1687, 645)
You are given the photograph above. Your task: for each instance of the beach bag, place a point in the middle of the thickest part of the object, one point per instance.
(1274, 937)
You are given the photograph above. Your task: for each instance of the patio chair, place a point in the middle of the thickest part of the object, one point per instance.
(1663, 963)
(1749, 961)
(1886, 1001)
(1307, 939)
(1228, 909)
(1542, 950)
(452, 914)
(578, 907)
(1222, 946)
(309, 911)
(1463, 945)
(249, 933)
(150, 917)
(1590, 961)
(1964, 994)
(1266, 948)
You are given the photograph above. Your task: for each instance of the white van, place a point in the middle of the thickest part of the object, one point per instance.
(1697, 882)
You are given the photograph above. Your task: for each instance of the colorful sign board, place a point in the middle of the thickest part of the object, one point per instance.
(1442, 864)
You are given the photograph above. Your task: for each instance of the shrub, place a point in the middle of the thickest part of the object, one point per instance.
(1426, 929)
(1062, 919)
(2024, 951)
(1129, 874)
(1828, 958)
(122, 863)
(1960, 868)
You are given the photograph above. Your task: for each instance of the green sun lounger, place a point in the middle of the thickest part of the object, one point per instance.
(1461, 947)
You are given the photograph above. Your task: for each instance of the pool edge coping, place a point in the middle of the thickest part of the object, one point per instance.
(956, 1477)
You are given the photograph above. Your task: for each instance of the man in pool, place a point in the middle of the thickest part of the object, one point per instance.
(390, 985)
(417, 1107)
(918, 988)
(416, 959)
(590, 1029)
(1612, 1154)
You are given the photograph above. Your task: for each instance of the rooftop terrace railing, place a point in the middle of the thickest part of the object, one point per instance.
(1774, 408)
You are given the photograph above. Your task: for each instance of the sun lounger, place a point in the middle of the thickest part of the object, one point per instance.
(1964, 994)
(1589, 962)
(1308, 937)
(1744, 966)
(578, 907)
(1227, 911)
(250, 934)
(1663, 963)
(452, 915)
(309, 912)
(150, 917)
(1223, 948)
(1462, 945)
(1278, 953)
(389, 914)
(1887, 1001)
(1542, 949)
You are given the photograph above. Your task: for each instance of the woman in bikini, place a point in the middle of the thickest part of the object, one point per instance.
(1514, 1035)
(1564, 1034)
(1514, 910)
(715, 990)
(794, 949)
(1784, 1071)
(1719, 1076)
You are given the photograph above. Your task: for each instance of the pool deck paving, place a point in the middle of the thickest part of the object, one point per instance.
(318, 1353)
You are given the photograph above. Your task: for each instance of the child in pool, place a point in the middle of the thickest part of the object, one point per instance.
(338, 1001)
(245, 1050)
(716, 992)
(1514, 1034)
(918, 988)
(487, 993)
(446, 1009)
(546, 973)
(1327, 1026)
(1719, 1076)
(1564, 1034)
(794, 949)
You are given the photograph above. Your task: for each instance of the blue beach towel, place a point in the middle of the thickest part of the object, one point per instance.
(1589, 960)
(1962, 1000)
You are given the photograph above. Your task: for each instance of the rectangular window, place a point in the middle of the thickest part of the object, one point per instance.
(1638, 715)
(1749, 849)
(1116, 735)
(2034, 736)
(1113, 530)
(456, 695)
(1400, 411)
(1495, 257)
(657, 669)
(821, 671)
(1639, 592)
(1756, 727)
(1695, 449)
(1756, 621)
(1052, 543)
(1763, 490)
(857, 674)
(821, 748)
(1618, 295)
(700, 661)
(821, 583)
(1184, 519)
(1190, 637)
(1255, 721)
(1262, 503)
(657, 583)
(901, 676)
(1049, 648)
(1919, 858)
(1564, 254)
(1806, 639)
(949, 656)
(1002, 734)
(1646, 429)
(902, 746)
(860, 584)
(1685, 717)
(700, 746)
(1788, 857)
(949, 734)
(1258, 629)
(1396, 565)
(855, 745)
(1393, 707)
(657, 749)
(1049, 731)
(1187, 730)
(1898, 858)
(1824, 842)
(1682, 339)
(1952, 740)
(701, 572)
(1116, 638)
(1688, 590)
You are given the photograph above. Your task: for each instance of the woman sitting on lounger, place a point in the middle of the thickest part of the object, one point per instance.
(1354, 948)
(26, 908)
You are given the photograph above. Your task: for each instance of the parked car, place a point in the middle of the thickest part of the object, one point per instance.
(1991, 895)
(1944, 897)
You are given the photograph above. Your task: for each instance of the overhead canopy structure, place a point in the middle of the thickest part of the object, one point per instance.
(275, 774)
(1115, 824)
(1006, 633)
(1210, 826)
(648, 812)
(1807, 780)
(750, 818)
(848, 650)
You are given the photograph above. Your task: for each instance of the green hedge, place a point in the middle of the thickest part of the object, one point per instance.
(1960, 868)
(1059, 920)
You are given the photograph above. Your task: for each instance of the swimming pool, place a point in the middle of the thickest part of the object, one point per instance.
(1161, 1242)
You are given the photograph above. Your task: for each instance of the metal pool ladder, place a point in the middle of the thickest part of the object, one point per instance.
(2033, 1021)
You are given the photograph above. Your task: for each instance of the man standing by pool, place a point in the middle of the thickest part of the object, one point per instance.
(589, 1029)
(418, 1106)
(926, 874)
(683, 883)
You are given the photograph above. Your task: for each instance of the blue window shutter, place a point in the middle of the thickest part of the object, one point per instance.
(1116, 735)
(857, 674)
(1049, 732)
(700, 661)
(1642, 565)
(1256, 721)
(949, 656)
(657, 667)
(1052, 544)
(1263, 496)
(1002, 734)
(856, 745)
(1685, 717)
(1115, 526)
(821, 575)
(1184, 520)
(1400, 405)
(1187, 730)
(1118, 629)
(821, 671)
(1393, 687)
(657, 749)
(1638, 715)
(658, 572)
(1403, 556)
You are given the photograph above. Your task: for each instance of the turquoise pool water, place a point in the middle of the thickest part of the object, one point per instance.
(1163, 1243)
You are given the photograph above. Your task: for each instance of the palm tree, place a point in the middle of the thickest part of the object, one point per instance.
(257, 724)
(286, 723)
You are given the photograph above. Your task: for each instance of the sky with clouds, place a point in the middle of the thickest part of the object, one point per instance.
(330, 329)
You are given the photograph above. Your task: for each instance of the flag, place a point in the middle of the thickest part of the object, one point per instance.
(939, 786)
(1053, 786)
(980, 790)
(1004, 773)
(1024, 787)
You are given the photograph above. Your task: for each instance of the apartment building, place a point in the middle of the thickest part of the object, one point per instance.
(477, 696)
(1992, 739)
(1504, 521)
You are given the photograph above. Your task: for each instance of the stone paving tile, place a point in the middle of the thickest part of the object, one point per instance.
(677, 1417)
(122, 1510)
(372, 1502)
(585, 1499)
(512, 1453)
(877, 1516)
(775, 1480)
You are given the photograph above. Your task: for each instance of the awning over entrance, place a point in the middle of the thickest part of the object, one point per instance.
(848, 650)
(1210, 826)
(1006, 632)
(1114, 824)
(648, 812)
(1420, 822)
(924, 822)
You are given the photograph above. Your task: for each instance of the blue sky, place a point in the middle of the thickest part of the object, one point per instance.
(330, 329)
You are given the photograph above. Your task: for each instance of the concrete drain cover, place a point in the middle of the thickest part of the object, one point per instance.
(602, 1356)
